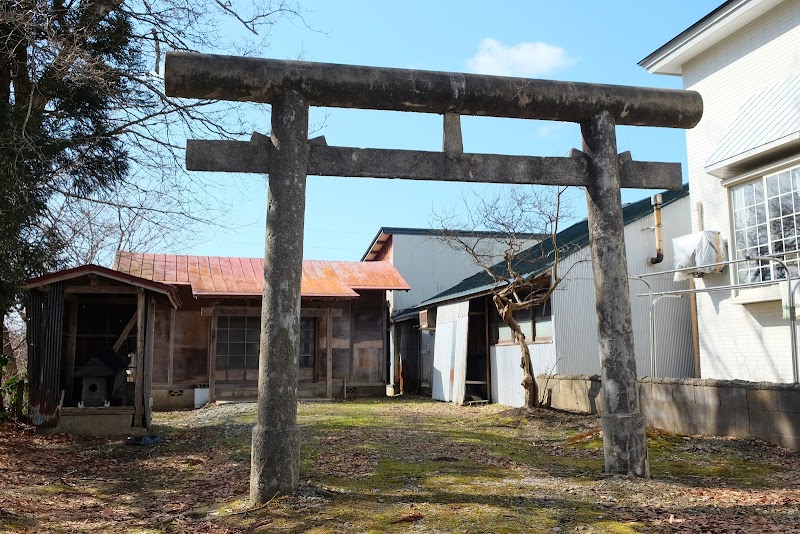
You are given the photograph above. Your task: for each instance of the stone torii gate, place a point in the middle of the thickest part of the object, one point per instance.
(288, 157)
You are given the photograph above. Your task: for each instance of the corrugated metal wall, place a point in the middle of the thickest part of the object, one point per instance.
(506, 373)
(574, 304)
(44, 331)
(429, 266)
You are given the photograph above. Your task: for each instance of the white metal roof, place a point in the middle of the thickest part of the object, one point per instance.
(766, 126)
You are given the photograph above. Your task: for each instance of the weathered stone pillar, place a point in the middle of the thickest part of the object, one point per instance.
(624, 440)
(276, 442)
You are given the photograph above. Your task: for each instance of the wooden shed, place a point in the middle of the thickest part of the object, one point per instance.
(200, 336)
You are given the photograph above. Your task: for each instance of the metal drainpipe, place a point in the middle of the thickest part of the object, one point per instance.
(656, 201)
(792, 316)
(650, 322)
(794, 354)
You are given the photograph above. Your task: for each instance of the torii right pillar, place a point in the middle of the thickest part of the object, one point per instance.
(624, 438)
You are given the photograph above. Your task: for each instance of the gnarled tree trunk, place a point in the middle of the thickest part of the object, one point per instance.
(528, 381)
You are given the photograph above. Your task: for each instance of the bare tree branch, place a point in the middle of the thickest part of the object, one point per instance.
(516, 219)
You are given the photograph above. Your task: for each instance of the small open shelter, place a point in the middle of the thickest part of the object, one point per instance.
(91, 329)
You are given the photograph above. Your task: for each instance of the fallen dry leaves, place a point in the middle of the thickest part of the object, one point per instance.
(197, 481)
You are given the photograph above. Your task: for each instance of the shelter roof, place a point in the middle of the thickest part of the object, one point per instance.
(385, 232)
(244, 277)
(111, 274)
(539, 258)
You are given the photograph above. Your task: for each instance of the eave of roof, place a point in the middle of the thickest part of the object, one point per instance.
(76, 272)
(722, 22)
(539, 258)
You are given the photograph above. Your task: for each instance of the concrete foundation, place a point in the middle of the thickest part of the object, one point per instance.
(173, 399)
(111, 421)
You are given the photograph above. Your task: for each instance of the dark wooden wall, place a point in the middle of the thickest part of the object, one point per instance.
(340, 341)
(189, 348)
(358, 343)
(369, 351)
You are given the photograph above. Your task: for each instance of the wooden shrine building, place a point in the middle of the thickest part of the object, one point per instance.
(93, 369)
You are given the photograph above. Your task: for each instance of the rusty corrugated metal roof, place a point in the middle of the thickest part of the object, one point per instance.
(222, 276)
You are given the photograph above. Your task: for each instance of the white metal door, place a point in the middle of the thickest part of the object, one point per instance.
(450, 351)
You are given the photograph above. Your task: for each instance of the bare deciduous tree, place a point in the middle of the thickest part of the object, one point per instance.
(88, 137)
(512, 215)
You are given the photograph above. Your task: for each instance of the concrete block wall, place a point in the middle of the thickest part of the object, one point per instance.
(736, 408)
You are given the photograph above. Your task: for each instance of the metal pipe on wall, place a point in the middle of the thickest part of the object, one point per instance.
(656, 201)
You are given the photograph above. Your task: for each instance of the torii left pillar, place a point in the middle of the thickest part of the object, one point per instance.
(275, 453)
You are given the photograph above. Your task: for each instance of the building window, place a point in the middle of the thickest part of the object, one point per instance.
(237, 347)
(308, 342)
(543, 322)
(766, 219)
(535, 322)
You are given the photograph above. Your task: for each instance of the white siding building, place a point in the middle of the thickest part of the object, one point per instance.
(744, 174)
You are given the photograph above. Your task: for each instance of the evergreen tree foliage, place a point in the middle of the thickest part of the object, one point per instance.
(90, 146)
(60, 70)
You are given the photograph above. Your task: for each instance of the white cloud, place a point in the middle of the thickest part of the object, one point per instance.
(523, 59)
(550, 130)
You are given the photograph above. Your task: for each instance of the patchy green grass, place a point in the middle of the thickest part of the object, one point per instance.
(392, 465)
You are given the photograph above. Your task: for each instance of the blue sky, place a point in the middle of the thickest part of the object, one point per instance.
(579, 40)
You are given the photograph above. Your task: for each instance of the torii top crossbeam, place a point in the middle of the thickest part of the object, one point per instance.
(350, 86)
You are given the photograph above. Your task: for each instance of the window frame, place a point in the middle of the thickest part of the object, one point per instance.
(776, 184)
(537, 311)
(301, 342)
(250, 342)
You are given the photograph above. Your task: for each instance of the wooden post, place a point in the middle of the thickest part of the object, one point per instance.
(138, 391)
(486, 317)
(385, 330)
(212, 357)
(329, 353)
(148, 361)
(170, 371)
(72, 343)
(624, 441)
(275, 453)
(352, 355)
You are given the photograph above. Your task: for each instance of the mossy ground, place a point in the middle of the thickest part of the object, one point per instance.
(393, 465)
